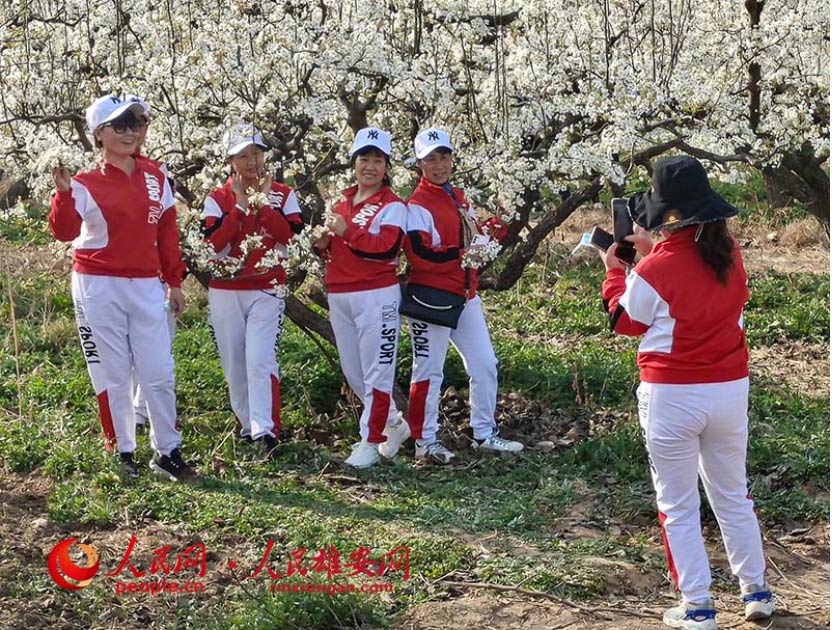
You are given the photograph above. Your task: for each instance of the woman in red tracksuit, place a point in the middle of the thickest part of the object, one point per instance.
(366, 233)
(685, 299)
(246, 310)
(122, 222)
(441, 228)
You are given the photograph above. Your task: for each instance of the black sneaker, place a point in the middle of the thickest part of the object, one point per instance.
(172, 466)
(129, 470)
(269, 445)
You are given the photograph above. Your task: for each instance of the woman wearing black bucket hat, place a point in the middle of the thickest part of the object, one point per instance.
(685, 298)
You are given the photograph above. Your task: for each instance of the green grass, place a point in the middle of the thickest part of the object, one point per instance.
(787, 306)
(554, 347)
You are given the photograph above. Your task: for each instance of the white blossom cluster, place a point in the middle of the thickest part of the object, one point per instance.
(475, 258)
(302, 255)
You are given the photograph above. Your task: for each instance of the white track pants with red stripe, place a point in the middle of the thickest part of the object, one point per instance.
(123, 328)
(701, 431)
(139, 401)
(430, 347)
(366, 327)
(247, 326)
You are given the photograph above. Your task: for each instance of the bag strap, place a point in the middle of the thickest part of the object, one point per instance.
(465, 226)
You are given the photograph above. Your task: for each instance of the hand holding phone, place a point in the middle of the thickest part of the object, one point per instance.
(600, 238)
(603, 240)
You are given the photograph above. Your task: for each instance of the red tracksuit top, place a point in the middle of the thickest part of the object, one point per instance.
(692, 324)
(120, 225)
(366, 256)
(434, 238)
(226, 227)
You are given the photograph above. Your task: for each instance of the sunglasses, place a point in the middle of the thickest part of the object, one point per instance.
(120, 126)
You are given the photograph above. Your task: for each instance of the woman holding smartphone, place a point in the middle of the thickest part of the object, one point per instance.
(685, 298)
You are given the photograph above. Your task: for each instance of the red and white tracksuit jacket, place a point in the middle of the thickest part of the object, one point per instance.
(226, 227)
(692, 402)
(124, 234)
(434, 250)
(364, 298)
(246, 313)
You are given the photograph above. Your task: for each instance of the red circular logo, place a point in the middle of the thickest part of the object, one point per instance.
(65, 572)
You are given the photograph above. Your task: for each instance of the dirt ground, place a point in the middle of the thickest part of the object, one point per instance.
(799, 575)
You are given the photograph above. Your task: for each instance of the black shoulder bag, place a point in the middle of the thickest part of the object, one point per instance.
(435, 306)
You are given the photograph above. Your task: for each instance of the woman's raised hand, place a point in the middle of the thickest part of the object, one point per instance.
(337, 224)
(62, 177)
(239, 192)
(265, 183)
(641, 239)
(610, 260)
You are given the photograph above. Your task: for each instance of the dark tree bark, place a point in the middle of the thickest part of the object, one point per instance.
(801, 177)
(17, 190)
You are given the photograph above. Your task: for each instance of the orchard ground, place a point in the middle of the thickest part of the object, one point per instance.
(569, 527)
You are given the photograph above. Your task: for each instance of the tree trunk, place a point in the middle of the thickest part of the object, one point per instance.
(17, 191)
(522, 254)
(802, 178)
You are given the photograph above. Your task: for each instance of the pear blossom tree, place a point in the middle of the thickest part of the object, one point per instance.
(549, 103)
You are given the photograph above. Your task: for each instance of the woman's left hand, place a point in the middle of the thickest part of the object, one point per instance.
(265, 183)
(337, 224)
(611, 261)
(176, 299)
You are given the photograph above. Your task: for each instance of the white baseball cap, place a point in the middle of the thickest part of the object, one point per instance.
(371, 137)
(132, 98)
(108, 108)
(241, 136)
(430, 140)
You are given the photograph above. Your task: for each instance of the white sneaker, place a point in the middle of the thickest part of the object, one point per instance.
(396, 435)
(436, 453)
(692, 616)
(496, 444)
(759, 602)
(363, 455)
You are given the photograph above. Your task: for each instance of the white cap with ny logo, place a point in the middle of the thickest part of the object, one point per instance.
(430, 140)
(371, 137)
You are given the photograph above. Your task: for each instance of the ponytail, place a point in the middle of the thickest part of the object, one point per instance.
(716, 247)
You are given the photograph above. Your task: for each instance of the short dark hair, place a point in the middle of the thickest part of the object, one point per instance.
(370, 150)
(442, 150)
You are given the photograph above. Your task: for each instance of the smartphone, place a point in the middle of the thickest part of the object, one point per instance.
(622, 226)
(600, 238)
(621, 223)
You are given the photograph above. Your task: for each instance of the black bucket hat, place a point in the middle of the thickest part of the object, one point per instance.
(681, 196)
